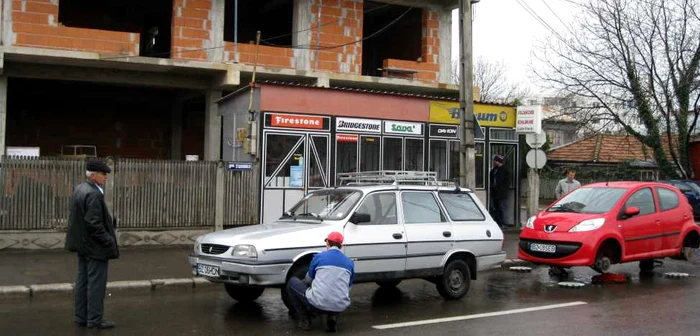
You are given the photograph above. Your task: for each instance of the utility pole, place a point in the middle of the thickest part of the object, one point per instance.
(466, 96)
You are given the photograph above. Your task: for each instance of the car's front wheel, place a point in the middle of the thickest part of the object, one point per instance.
(455, 281)
(243, 293)
(299, 271)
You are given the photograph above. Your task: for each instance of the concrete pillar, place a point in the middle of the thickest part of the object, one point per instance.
(302, 24)
(3, 113)
(216, 34)
(445, 50)
(6, 24)
(176, 131)
(219, 205)
(212, 127)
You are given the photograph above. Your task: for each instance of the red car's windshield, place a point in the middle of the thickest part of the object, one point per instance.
(589, 200)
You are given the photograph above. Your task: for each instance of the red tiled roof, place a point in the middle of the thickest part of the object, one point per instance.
(607, 148)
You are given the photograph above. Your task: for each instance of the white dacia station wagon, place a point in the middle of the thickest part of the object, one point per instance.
(397, 225)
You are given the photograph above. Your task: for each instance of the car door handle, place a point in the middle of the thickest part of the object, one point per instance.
(447, 234)
(398, 236)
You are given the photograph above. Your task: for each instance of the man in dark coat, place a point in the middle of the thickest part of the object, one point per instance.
(499, 180)
(91, 234)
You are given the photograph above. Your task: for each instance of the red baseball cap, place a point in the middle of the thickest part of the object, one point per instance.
(335, 237)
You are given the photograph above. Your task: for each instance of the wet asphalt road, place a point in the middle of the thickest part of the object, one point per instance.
(652, 305)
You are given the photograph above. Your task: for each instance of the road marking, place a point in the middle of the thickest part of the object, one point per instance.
(477, 316)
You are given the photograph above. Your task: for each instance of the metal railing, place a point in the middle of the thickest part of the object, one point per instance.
(394, 177)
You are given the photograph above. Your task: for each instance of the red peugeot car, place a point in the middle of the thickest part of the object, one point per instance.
(609, 223)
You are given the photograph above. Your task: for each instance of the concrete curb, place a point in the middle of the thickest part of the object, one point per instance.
(139, 285)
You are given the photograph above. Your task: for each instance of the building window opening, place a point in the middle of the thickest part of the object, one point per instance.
(370, 153)
(393, 150)
(151, 19)
(414, 154)
(402, 40)
(346, 147)
(274, 20)
(438, 158)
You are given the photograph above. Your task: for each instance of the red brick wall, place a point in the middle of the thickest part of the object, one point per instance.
(267, 56)
(192, 24)
(341, 23)
(35, 24)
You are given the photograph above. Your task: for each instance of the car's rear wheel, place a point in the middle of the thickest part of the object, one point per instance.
(388, 283)
(455, 281)
(243, 293)
(689, 248)
(299, 271)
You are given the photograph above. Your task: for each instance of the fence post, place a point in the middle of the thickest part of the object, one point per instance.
(219, 207)
(109, 187)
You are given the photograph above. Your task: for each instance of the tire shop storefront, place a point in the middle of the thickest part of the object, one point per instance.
(301, 137)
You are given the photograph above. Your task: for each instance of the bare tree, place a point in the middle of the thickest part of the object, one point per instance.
(492, 80)
(637, 60)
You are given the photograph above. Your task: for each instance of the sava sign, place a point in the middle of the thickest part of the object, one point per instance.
(397, 127)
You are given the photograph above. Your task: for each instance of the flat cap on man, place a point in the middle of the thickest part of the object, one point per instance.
(97, 166)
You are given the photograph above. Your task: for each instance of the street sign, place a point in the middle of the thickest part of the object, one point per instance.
(529, 119)
(536, 140)
(536, 158)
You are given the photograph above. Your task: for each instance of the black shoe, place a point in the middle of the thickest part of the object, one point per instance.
(102, 325)
(331, 322)
(82, 324)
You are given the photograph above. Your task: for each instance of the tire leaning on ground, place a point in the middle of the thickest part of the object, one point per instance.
(388, 283)
(243, 293)
(298, 271)
(455, 281)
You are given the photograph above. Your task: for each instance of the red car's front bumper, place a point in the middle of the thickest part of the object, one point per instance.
(571, 249)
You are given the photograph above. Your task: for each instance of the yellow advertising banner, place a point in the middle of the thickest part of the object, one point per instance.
(447, 112)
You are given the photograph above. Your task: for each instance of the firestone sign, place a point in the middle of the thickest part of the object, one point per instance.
(529, 119)
(403, 128)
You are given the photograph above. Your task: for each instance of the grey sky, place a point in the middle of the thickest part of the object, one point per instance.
(504, 31)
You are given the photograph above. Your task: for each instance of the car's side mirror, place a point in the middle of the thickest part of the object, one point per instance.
(631, 212)
(359, 218)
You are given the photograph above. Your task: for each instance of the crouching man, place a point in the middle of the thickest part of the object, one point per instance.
(326, 288)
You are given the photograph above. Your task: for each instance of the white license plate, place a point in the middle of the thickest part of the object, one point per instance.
(209, 271)
(547, 248)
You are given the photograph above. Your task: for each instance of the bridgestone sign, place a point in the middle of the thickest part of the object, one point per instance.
(358, 125)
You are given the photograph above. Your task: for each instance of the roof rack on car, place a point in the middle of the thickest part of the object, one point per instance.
(394, 177)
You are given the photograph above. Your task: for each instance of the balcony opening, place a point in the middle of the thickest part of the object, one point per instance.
(151, 19)
(402, 40)
(272, 18)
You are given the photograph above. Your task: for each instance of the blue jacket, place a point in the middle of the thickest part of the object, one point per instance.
(332, 274)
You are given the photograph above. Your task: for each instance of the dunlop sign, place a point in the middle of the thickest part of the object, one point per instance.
(529, 119)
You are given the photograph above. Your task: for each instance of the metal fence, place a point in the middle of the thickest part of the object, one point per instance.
(142, 194)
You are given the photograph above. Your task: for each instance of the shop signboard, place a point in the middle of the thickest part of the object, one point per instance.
(280, 120)
(358, 125)
(347, 137)
(400, 127)
(529, 119)
(444, 131)
(488, 115)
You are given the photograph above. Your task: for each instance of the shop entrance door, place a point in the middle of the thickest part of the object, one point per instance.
(294, 164)
(510, 153)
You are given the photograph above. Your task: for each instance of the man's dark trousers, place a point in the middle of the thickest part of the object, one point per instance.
(498, 211)
(89, 290)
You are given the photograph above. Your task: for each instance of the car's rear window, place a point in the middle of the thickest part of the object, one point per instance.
(589, 200)
(461, 207)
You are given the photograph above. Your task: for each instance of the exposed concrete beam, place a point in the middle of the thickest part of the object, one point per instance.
(423, 4)
(216, 38)
(445, 35)
(230, 80)
(110, 76)
(212, 127)
(302, 25)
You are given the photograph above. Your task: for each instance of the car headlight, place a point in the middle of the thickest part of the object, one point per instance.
(530, 222)
(244, 252)
(588, 225)
(197, 243)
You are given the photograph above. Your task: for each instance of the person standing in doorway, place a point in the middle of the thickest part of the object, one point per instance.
(500, 185)
(91, 234)
(568, 184)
